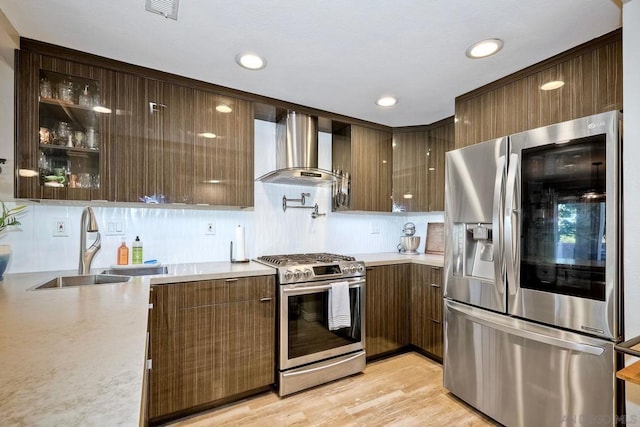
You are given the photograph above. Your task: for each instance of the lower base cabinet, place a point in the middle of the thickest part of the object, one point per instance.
(387, 308)
(426, 309)
(210, 340)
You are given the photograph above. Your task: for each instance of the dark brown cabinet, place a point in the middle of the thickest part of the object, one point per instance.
(418, 167)
(387, 308)
(210, 340)
(106, 133)
(367, 155)
(223, 167)
(592, 76)
(64, 128)
(426, 309)
(154, 142)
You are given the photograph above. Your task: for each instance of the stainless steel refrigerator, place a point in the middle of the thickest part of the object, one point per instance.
(532, 288)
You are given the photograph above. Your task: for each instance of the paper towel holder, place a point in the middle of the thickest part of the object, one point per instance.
(235, 261)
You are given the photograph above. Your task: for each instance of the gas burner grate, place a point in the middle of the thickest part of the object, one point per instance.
(300, 259)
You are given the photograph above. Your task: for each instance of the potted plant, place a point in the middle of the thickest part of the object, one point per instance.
(8, 219)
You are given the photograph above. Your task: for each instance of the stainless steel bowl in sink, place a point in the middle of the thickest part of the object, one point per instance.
(82, 280)
(138, 271)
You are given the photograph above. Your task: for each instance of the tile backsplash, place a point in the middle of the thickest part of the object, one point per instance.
(172, 235)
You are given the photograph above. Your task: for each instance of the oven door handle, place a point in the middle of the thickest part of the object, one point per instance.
(300, 289)
(322, 368)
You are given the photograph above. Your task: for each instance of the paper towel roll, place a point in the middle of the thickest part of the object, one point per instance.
(238, 244)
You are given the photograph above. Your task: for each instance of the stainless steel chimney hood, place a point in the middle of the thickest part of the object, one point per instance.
(297, 153)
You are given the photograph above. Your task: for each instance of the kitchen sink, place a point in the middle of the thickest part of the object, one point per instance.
(82, 280)
(138, 271)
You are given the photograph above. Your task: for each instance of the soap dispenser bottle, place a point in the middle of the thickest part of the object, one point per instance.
(123, 254)
(136, 256)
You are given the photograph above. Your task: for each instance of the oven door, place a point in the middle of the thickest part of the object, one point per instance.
(304, 334)
(561, 225)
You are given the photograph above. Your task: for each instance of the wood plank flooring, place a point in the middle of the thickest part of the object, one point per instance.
(404, 390)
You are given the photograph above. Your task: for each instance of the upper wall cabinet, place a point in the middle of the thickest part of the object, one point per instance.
(223, 166)
(592, 77)
(154, 145)
(106, 133)
(367, 155)
(418, 166)
(64, 129)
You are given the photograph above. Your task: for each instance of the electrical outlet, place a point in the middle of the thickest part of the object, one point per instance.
(375, 228)
(115, 227)
(211, 228)
(60, 227)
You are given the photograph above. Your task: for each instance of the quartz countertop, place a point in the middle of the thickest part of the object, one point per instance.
(388, 258)
(76, 356)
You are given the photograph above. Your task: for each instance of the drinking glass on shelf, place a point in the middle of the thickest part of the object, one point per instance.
(65, 90)
(63, 131)
(45, 88)
(84, 180)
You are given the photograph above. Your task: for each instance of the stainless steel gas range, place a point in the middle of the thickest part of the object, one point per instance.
(312, 348)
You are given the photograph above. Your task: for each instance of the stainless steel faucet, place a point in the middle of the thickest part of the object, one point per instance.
(86, 255)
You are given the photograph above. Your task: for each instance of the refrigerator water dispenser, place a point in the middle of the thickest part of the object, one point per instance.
(473, 251)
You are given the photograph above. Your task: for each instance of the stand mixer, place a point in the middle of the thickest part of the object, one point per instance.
(409, 243)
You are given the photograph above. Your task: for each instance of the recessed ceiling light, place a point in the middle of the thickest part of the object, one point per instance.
(484, 48)
(407, 196)
(387, 101)
(208, 135)
(222, 108)
(555, 84)
(212, 181)
(250, 61)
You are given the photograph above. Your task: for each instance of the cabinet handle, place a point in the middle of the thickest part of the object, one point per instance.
(231, 280)
(265, 299)
(435, 285)
(155, 107)
(435, 321)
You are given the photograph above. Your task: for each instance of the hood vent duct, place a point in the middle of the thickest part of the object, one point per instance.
(297, 153)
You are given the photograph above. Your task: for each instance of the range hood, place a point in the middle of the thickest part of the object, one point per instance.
(297, 153)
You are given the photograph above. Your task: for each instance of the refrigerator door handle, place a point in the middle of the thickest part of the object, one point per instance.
(498, 225)
(476, 316)
(511, 224)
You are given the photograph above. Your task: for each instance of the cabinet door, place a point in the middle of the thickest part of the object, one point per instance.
(387, 308)
(223, 167)
(210, 340)
(171, 129)
(372, 169)
(134, 175)
(64, 125)
(410, 157)
(426, 309)
(440, 140)
(154, 140)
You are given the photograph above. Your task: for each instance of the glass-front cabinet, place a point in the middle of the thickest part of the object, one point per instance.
(61, 151)
(111, 131)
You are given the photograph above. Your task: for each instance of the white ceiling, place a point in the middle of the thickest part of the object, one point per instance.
(333, 55)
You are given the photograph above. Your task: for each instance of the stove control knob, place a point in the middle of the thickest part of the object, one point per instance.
(298, 274)
(348, 269)
(361, 269)
(288, 275)
(307, 273)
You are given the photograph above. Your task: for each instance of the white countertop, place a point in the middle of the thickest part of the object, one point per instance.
(76, 356)
(387, 258)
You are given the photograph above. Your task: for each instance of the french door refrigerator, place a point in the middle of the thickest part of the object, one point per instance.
(532, 294)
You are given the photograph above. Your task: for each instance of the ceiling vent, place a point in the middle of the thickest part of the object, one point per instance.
(166, 8)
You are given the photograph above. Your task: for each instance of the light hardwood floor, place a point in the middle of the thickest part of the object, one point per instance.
(405, 390)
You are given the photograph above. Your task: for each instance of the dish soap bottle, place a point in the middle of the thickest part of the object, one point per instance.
(136, 256)
(123, 254)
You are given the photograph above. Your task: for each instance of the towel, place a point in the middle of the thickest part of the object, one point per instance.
(339, 306)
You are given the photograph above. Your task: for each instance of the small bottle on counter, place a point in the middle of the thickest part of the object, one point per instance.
(136, 256)
(123, 254)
